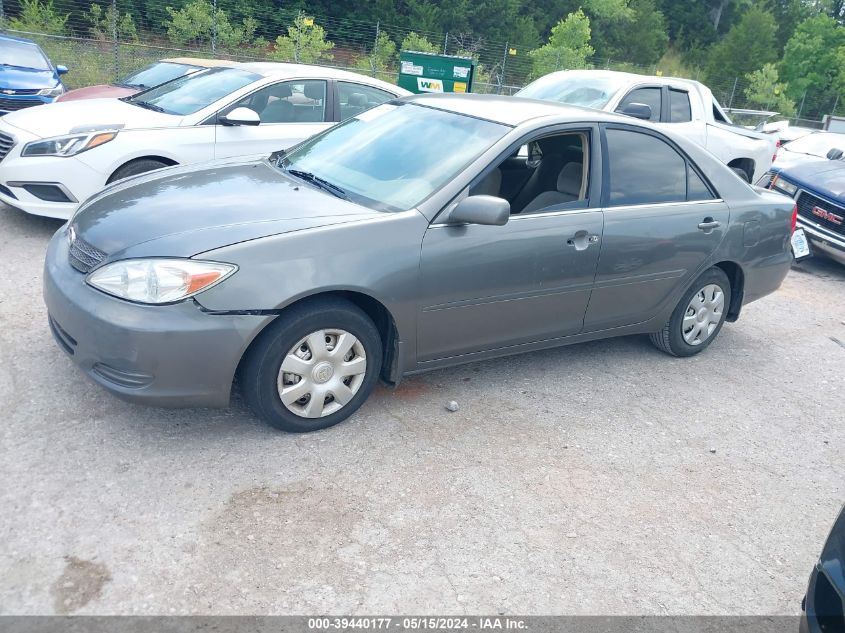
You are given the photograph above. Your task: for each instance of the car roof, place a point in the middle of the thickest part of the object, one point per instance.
(199, 61)
(282, 70)
(512, 111)
(22, 40)
(631, 77)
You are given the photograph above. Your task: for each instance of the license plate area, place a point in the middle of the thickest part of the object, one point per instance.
(800, 244)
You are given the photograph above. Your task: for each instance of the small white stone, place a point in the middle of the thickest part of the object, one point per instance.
(452, 406)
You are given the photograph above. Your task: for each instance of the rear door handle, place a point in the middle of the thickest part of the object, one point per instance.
(709, 224)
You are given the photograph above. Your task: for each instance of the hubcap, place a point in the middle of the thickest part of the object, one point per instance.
(703, 314)
(321, 373)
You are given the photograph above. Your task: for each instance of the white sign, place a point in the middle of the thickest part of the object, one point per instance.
(460, 71)
(409, 68)
(429, 85)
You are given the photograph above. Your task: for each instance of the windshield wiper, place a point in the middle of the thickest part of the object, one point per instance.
(148, 106)
(320, 182)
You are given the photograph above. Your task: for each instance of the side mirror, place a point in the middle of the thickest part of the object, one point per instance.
(636, 110)
(240, 116)
(486, 210)
(61, 69)
(834, 154)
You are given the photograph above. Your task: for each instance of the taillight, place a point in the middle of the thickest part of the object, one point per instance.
(794, 219)
(777, 147)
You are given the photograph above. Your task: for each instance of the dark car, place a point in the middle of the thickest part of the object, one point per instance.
(27, 77)
(819, 191)
(414, 235)
(824, 603)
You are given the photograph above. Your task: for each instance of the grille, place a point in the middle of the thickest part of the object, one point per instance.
(7, 142)
(24, 91)
(11, 105)
(83, 256)
(807, 201)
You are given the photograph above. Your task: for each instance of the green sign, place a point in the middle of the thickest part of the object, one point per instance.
(427, 72)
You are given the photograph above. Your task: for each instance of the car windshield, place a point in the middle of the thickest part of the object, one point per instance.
(157, 74)
(579, 90)
(22, 55)
(394, 156)
(192, 93)
(817, 144)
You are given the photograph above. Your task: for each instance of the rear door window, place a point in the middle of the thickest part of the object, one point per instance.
(643, 169)
(679, 106)
(355, 98)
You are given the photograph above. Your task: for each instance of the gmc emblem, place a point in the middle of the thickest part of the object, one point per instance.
(827, 215)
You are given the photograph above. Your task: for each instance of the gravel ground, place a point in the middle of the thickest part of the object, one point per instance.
(603, 478)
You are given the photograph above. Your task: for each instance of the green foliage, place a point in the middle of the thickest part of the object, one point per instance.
(609, 9)
(811, 59)
(638, 36)
(765, 91)
(101, 24)
(568, 46)
(382, 60)
(305, 43)
(418, 43)
(195, 24)
(748, 45)
(38, 17)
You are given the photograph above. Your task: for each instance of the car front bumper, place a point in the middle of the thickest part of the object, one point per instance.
(824, 241)
(74, 177)
(172, 355)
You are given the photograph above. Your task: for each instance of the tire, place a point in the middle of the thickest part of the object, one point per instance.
(741, 173)
(677, 337)
(136, 167)
(291, 338)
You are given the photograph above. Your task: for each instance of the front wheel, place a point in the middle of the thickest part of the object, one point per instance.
(698, 317)
(313, 367)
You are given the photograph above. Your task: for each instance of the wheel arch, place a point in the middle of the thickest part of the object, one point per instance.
(169, 162)
(381, 316)
(737, 278)
(745, 164)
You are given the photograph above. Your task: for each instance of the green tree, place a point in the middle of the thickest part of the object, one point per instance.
(381, 60)
(101, 23)
(748, 46)
(811, 60)
(418, 43)
(568, 46)
(197, 23)
(767, 92)
(640, 37)
(35, 17)
(305, 42)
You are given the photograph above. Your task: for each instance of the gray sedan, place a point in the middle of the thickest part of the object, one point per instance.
(426, 232)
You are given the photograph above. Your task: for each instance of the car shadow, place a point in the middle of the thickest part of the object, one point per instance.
(820, 267)
(18, 223)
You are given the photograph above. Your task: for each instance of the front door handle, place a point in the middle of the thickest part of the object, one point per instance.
(708, 225)
(582, 239)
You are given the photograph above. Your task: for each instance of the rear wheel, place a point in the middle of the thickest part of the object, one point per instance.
(136, 167)
(313, 367)
(698, 317)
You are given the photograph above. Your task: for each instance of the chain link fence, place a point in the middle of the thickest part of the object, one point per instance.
(102, 42)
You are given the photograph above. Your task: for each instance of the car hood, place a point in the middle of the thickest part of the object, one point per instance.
(56, 119)
(823, 177)
(183, 211)
(26, 78)
(98, 92)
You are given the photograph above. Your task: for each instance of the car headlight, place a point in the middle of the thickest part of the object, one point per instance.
(69, 145)
(784, 185)
(58, 91)
(157, 281)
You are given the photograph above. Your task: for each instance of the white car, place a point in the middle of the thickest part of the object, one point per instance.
(681, 105)
(54, 157)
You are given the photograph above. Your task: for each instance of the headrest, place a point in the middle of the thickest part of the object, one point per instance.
(315, 90)
(569, 179)
(357, 99)
(282, 91)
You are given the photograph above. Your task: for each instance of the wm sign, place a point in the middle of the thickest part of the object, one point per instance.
(429, 85)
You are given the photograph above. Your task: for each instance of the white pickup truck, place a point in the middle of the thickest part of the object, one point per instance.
(685, 106)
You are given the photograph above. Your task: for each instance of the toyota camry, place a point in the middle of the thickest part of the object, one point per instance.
(425, 232)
